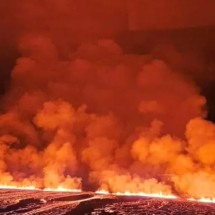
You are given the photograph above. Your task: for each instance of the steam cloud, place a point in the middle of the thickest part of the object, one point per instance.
(96, 116)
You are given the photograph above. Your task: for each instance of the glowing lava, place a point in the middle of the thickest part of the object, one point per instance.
(105, 192)
(127, 193)
(203, 200)
(57, 189)
(102, 192)
(62, 189)
(155, 195)
(13, 187)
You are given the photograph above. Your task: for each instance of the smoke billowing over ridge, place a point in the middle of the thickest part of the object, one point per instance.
(93, 115)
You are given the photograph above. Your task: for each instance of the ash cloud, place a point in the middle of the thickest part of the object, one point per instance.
(91, 113)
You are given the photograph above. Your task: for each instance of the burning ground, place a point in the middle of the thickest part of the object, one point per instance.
(92, 116)
(40, 202)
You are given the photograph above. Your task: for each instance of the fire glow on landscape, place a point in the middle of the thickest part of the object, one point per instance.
(81, 113)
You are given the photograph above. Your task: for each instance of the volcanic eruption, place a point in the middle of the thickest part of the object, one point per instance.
(82, 112)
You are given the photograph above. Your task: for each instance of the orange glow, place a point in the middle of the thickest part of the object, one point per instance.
(203, 200)
(91, 114)
(102, 192)
(140, 194)
(153, 195)
(159, 195)
(62, 189)
(13, 187)
(58, 189)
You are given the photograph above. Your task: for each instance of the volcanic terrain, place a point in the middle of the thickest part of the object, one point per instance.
(38, 202)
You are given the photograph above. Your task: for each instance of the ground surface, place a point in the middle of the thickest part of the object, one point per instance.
(59, 203)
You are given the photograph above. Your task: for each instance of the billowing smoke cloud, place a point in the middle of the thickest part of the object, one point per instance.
(95, 115)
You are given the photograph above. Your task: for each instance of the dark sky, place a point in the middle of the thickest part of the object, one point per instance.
(164, 14)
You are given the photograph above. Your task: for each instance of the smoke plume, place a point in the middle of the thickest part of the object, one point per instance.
(84, 113)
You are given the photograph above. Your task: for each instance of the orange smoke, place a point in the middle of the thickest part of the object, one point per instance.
(94, 117)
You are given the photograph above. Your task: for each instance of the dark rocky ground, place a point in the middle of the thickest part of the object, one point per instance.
(59, 203)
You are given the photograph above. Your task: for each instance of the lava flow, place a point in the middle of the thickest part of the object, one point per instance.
(156, 195)
(13, 187)
(57, 189)
(104, 192)
(140, 194)
(203, 200)
(62, 189)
